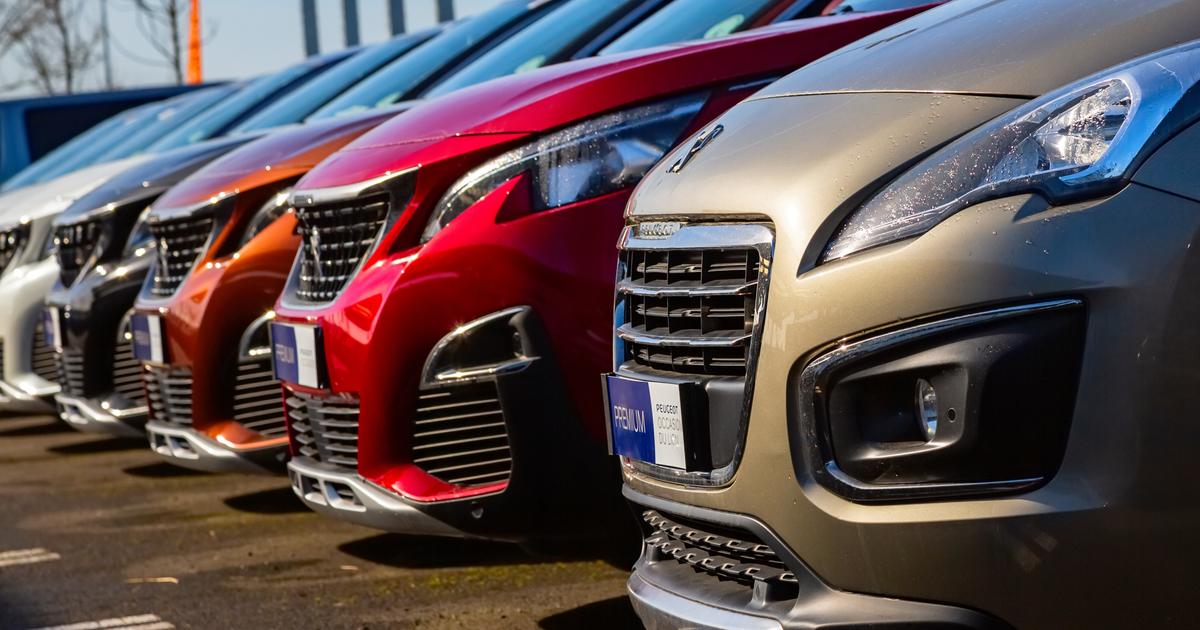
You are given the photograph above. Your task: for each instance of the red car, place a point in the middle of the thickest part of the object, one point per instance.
(443, 331)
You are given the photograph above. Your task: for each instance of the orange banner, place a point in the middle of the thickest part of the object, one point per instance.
(195, 72)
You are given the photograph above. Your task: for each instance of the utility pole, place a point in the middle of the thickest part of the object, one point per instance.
(445, 10)
(308, 11)
(396, 16)
(108, 76)
(195, 66)
(350, 19)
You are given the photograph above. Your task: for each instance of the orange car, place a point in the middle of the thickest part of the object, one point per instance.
(225, 244)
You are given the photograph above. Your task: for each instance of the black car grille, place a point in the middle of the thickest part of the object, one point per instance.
(180, 244)
(724, 555)
(460, 437)
(43, 359)
(257, 404)
(690, 311)
(324, 429)
(70, 372)
(334, 240)
(169, 394)
(12, 241)
(127, 370)
(74, 245)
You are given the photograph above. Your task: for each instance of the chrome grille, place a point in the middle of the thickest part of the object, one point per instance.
(180, 243)
(70, 372)
(43, 359)
(127, 370)
(324, 429)
(690, 310)
(12, 241)
(74, 245)
(459, 435)
(169, 394)
(334, 241)
(256, 401)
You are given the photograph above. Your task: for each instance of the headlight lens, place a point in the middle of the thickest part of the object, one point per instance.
(586, 160)
(274, 208)
(1081, 141)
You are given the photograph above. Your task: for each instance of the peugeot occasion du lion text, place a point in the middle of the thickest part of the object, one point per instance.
(958, 387)
(441, 361)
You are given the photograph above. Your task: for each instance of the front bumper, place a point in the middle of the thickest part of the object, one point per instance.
(22, 293)
(347, 496)
(194, 450)
(85, 415)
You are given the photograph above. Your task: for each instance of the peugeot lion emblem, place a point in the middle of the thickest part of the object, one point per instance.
(704, 140)
(314, 244)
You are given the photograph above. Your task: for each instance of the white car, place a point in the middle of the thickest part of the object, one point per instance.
(28, 370)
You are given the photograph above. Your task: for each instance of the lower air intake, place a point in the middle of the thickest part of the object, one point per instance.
(459, 435)
(324, 429)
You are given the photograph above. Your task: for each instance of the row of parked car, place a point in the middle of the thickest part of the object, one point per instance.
(896, 331)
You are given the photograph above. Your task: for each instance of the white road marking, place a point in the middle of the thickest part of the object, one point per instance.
(26, 556)
(136, 622)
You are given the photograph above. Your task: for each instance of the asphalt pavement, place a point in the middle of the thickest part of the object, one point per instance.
(99, 533)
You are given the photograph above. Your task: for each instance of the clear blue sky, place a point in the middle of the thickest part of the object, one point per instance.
(245, 37)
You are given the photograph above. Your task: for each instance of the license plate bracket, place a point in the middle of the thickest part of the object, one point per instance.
(149, 342)
(297, 354)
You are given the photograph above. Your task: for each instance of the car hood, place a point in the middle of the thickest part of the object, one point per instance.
(52, 197)
(143, 181)
(283, 154)
(561, 94)
(999, 47)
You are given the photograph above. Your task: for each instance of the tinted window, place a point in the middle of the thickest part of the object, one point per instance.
(97, 137)
(690, 19)
(848, 6)
(544, 42)
(296, 106)
(177, 112)
(251, 98)
(396, 81)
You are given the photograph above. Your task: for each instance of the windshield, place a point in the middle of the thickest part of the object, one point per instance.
(862, 6)
(397, 81)
(294, 107)
(177, 112)
(544, 42)
(683, 20)
(216, 120)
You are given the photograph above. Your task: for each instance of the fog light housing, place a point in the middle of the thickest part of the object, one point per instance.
(967, 405)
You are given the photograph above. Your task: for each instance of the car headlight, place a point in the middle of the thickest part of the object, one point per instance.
(139, 234)
(1082, 141)
(583, 161)
(274, 208)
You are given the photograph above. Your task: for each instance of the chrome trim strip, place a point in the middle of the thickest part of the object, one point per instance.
(659, 608)
(430, 378)
(349, 192)
(680, 341)
(81, 414)
(372, 506)
(827, 472)
(702, 236)
(191, 449)
(244, 349)
(630, 288)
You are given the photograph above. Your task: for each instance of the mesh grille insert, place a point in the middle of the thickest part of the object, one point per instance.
(334, 241)
(43, 359)
(74, 245)
(459, 435)
(70, 372)
(180, 244)
(127, 370)
(324, 429)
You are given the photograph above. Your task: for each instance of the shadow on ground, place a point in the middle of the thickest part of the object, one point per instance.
(108, 445)
(160, 470)
(427, 552)
(612, 613)
(273, 501)
(49, 427)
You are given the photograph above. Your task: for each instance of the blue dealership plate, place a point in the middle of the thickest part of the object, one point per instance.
(653, 422)
(297, 354)
(148, 340)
